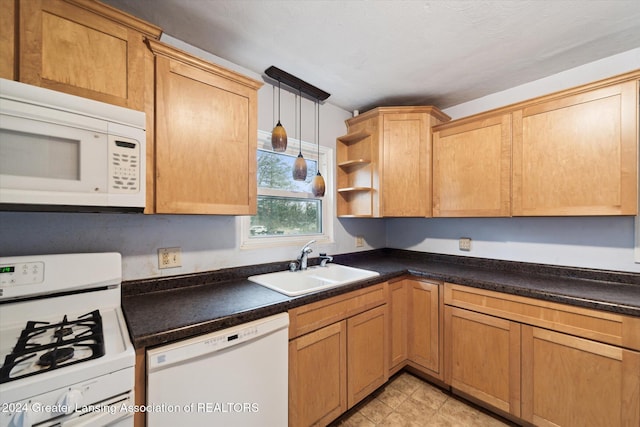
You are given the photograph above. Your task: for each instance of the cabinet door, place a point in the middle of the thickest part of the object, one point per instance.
(577, 155)
(7, 39)
(472, 169)
(72, 49)
(483, 358)
(424, 324)
(206, 138)
(570, 381)
(367, 363)
(406, 165)
(398, 303)
(317, 376)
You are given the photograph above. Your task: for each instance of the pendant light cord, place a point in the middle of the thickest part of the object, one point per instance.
(278, 101)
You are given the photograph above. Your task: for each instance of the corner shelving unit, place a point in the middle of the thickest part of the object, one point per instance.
(355, 174)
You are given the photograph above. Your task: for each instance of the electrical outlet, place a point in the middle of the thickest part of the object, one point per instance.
(464, 244)
(169, 257)
(359, 241)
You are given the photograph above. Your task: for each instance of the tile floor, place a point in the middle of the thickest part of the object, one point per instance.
(409, 401)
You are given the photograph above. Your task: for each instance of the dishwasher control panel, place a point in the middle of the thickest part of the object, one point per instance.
(238, 336)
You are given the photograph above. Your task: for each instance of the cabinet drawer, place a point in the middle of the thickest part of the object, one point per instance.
(313, 316)
(596, 325)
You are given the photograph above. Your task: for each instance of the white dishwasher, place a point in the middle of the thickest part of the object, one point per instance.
(234, 377)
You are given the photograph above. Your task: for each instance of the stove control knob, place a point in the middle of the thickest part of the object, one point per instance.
(20, 419)
(27, 416)
(69, 401)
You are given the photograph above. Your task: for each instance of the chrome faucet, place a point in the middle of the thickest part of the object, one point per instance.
(304, 254)
(324, 258)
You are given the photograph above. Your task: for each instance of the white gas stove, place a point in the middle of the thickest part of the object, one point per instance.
(67, 359)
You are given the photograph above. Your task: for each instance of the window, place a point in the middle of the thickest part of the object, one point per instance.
(288, 213)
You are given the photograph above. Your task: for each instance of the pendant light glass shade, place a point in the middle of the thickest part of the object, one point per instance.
(300, 168)
(279, 135)
(317, 185)
(279, 138)
(300, 165)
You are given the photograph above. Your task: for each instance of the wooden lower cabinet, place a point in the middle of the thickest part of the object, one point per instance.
(338, 354)
(335, 367)
(416, 327)
(398, 300)
(424, 325)
(571, 381)
(367, 361)
(545, 363)
(317, 376)
(483, 358)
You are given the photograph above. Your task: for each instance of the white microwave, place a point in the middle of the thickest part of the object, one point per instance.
(66, 153)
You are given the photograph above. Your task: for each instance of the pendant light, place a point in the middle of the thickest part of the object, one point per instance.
(279, 135)
(317, 184)
(300, 165)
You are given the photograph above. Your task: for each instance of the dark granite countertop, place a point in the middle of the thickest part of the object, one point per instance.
(164, 310)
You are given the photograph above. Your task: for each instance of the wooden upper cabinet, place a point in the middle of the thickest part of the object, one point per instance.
(206, 136)
(85, 48)
(577, 153)
(472, 168)
(358, 170)
(8, 39)
(406, 164)
(384, 163)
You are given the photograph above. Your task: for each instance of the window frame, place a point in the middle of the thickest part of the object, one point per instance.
(325, 165)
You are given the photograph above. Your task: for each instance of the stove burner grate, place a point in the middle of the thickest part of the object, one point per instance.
(60, 351)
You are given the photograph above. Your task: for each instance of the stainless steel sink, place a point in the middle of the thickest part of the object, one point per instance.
(312, 279)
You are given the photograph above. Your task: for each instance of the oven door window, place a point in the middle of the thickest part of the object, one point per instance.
(42, 156)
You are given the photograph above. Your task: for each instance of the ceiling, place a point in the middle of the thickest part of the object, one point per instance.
(369, 53)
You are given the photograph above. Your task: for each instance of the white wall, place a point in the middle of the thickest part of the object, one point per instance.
(207, 242)
(592, 242)
(595, 242)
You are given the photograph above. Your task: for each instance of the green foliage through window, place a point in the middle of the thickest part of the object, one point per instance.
(285, 206)
(280, 216)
